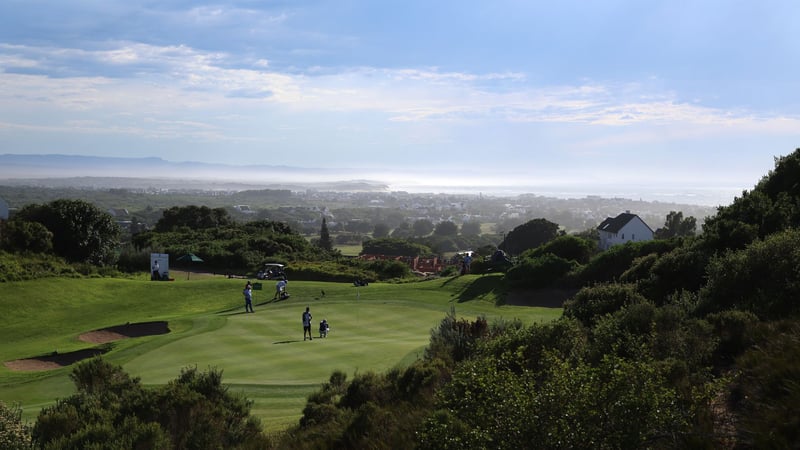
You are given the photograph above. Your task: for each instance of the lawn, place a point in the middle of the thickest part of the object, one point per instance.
(262, 355)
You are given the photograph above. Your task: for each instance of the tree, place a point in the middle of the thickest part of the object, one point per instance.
(471, 228)
(195, 217)
(81, 231)
(676, 225)
(393, 247)
(568, 247)
(22, 236)
(422, 227)
(531, 234)
(445, 228)
(402, 231)
(325, 237)
(380, 230)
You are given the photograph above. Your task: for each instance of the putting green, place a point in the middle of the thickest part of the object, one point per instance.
(263, 354)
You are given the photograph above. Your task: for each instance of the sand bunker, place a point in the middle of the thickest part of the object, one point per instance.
(53, 361)
(102, 336)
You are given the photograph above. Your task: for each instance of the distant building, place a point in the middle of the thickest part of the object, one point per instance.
(626, 227)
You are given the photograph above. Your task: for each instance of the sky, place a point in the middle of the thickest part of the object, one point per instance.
(587, 96)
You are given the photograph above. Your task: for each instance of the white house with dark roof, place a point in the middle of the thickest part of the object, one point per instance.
(626, 227)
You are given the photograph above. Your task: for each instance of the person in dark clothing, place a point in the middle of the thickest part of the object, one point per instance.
(248, 297)
(307, 324)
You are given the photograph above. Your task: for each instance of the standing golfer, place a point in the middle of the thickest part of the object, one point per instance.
(307, 324)
(248, 297)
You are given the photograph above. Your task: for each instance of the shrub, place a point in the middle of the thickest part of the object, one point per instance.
(766, 394)
(31, 266)
(612, 263)
(14, 433)
(762, 278)
(569, 247)
(538, 272)
(590, 303)
(113, 410)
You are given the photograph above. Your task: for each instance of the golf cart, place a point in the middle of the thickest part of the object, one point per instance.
(271, 271)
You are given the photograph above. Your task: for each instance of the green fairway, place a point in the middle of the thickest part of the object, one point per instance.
(263, 355)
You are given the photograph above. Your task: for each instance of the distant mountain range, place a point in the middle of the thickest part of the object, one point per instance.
(98, 172)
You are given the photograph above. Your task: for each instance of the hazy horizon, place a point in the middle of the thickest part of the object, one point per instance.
(419, 181)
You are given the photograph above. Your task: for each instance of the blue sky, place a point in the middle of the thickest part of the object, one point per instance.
(571, 94)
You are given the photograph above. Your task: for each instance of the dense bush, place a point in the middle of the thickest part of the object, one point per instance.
(609, 265)
(455, 340)
(334, 271)
(681, 269)
(766, 394)
(21, 236)
(393, 247)
(539, 271)
(377, 411)
(618, 404)
(14, 433)
(568, 247)
(112, 410)
(762, 278)
(591, 303)
(19, 267)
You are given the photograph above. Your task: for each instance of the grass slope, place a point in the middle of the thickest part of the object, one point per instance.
(263, 355)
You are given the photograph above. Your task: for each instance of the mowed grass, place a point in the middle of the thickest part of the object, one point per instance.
(262, 355)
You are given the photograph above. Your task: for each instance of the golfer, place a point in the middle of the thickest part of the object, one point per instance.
(248, 297)
(280, 286)
(307, 325)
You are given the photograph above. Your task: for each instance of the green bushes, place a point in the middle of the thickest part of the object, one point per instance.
(348, 270)
(766, 394)
(19, 267)
(14, 433)
(763, 278)
(590, 303)
(612, 263)
(380, 411)
(617, 404)
(113, 410)
(538, 272)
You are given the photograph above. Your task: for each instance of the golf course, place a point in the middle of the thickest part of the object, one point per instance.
(204, 325)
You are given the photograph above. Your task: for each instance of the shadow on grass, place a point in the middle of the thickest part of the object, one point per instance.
(286, 342)
(234, 311)
(482, 287)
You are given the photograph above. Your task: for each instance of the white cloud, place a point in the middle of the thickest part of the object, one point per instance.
(163, 82)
